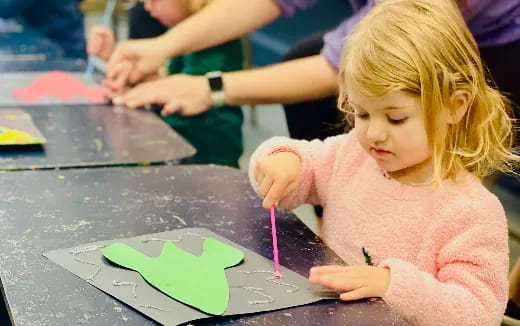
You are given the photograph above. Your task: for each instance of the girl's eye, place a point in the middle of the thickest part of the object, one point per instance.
(397, 121)
(362, 115)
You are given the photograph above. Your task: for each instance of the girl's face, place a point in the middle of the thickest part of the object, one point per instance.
(168, 12)
(391, 129)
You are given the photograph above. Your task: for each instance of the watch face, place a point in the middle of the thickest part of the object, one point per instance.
(215, 80)
(215, 83)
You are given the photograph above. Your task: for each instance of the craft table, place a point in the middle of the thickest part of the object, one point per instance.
(102, 135)
(47, 210)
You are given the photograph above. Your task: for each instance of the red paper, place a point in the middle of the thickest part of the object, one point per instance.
(59, 84)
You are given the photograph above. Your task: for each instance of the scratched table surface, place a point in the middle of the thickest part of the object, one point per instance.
(47, 210)
(83, 135)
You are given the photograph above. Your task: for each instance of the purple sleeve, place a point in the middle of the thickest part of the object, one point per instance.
(335, 38)
(493, 22)
(289, 7)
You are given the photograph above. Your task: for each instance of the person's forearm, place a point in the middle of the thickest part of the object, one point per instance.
(220, 21)
(293, 81)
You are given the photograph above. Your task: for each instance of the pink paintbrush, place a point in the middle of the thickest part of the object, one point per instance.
(275, 245)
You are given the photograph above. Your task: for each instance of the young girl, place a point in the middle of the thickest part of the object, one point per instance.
(403, 203)
(217, 133)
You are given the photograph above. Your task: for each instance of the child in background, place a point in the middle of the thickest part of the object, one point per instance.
(216, 134)
(403, 203)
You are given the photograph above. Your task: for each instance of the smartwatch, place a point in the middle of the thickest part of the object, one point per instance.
(216, 86)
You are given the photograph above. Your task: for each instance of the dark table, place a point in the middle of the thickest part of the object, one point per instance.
(47, 210)
(103, 135)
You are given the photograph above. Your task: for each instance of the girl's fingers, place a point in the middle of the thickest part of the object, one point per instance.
(266, 184)
(322, 270)
(337, 281)
(356, 294)
(258, 174)
(290, 189)
(275, 194)
(268, 203)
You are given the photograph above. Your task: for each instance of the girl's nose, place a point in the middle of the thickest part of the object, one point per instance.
(376, 132)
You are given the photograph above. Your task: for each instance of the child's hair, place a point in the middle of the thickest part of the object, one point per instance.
(194, 5)
(424, 48)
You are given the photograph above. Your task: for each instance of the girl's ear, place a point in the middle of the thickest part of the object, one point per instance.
(459, 105)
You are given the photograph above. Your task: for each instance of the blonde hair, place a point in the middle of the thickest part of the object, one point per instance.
(196, 5)
(424, 48)
(193, 5)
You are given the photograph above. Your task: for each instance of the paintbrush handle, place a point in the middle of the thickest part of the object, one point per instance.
(275, 241)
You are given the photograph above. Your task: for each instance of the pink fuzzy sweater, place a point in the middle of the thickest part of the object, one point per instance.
(446, 247)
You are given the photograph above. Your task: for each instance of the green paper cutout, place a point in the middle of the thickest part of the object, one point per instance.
(198, 281)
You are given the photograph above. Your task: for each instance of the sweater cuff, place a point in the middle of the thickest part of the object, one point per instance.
(402, 279)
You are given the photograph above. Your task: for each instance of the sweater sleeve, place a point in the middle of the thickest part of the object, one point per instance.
(318, 160)
(335, 39)
(470, 287)
(289, 7)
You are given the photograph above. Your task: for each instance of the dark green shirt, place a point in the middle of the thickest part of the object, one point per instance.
(217, 133)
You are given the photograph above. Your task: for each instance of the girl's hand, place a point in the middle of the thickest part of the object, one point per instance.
(277, 175)
(352, 282)
(101, 42)
(182, 94)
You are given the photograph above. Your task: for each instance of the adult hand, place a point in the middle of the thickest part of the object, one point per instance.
(132, 61)
(179, 94)
(352, 282)
(277, 175)
(101, 42)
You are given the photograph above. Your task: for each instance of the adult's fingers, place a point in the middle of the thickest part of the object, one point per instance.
(171, 107)
(118, 77)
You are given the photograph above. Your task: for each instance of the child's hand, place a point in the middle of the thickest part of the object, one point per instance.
(352, 282)
(277, 175)
(101, 42)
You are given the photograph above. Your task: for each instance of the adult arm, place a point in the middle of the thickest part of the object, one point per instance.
(288, 82)
(218, 22)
